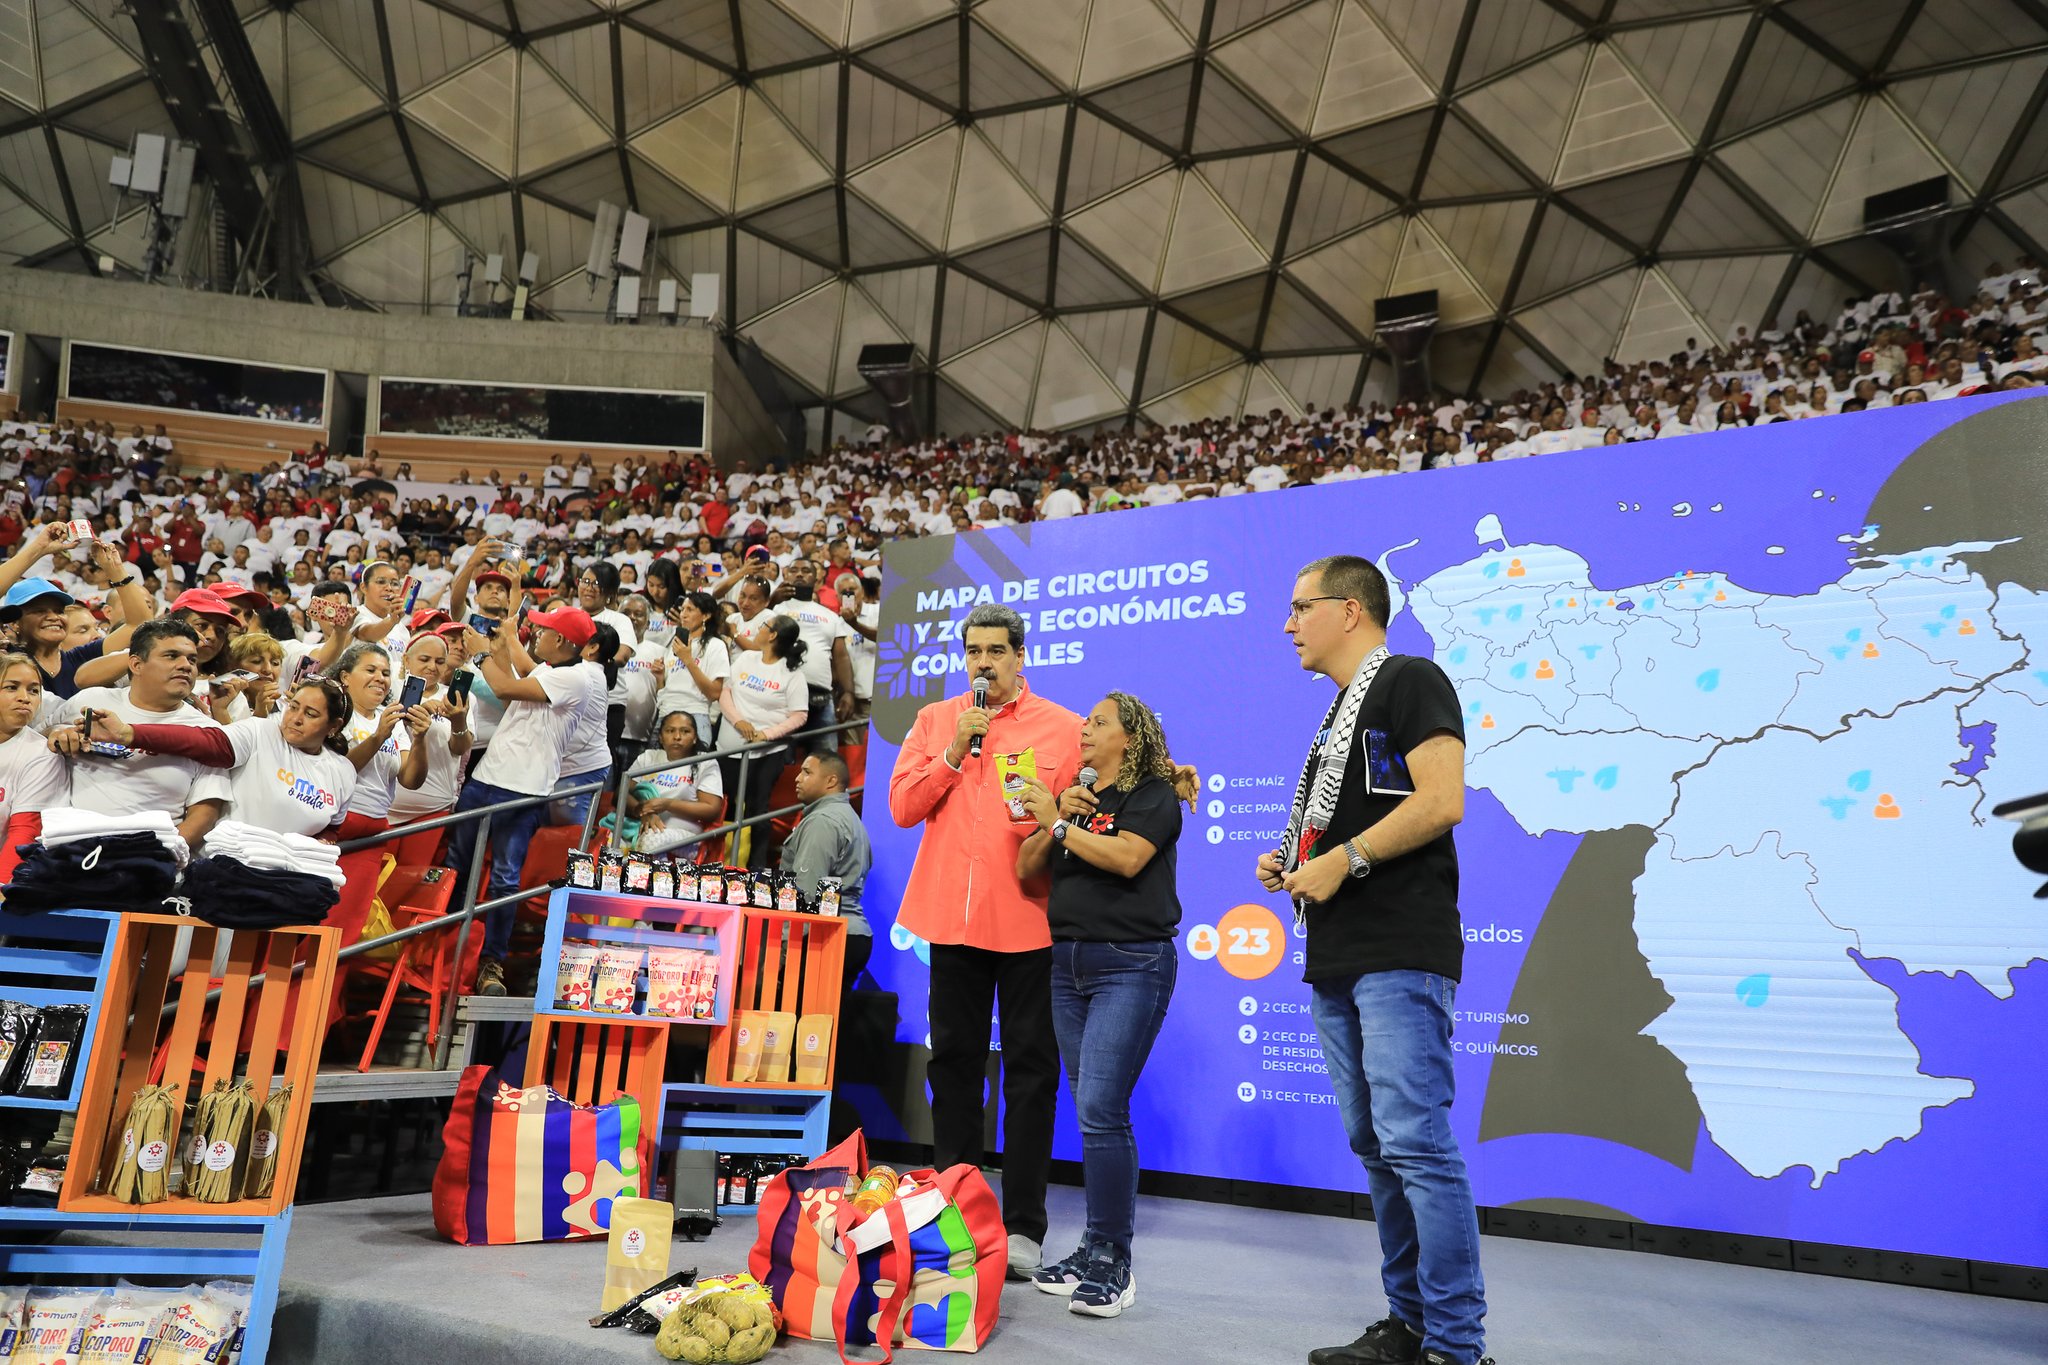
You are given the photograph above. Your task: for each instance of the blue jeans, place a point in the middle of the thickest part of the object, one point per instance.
(1108, 1001)
(571, 810)
(510, 834)
(1387, 1041)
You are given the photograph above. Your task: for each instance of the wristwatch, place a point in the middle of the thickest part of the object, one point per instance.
(1059, 831)
(1359, 866)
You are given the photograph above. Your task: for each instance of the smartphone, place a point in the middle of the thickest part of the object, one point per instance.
(458, 687)
(412, 595)
(414, 693)
(483, 625)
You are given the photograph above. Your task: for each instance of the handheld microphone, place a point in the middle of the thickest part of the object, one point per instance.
(980, 699)
(1086, 777)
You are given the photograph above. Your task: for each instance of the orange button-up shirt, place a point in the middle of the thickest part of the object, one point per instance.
(963, 888)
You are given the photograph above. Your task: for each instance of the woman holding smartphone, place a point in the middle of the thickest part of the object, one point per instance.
(1114, 912)
(447, 745)
(384, 762)
(700, 663)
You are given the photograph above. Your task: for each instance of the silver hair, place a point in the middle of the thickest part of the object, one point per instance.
(990, 615)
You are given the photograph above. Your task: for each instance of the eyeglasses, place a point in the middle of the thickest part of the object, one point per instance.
(1295, 610)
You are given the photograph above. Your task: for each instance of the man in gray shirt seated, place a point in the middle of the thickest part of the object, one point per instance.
(829, 842)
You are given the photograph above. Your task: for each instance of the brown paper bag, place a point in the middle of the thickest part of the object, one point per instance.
(813, 1050)
(777, 1044)
(747, 1043)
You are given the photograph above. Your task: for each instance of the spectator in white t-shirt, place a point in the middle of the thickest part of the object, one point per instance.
(673, 803)
(828, 667)
(1063, 501)
(543, 691)
(765, 698)
(1161, 490)
(163, 663)
(33, 779)
(700, 661)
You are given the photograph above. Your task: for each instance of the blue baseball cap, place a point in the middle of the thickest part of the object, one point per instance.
(29, 590)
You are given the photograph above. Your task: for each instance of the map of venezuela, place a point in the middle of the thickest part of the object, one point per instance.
(1776, 747)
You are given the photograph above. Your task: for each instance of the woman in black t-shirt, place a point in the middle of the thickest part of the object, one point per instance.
(1114, 911)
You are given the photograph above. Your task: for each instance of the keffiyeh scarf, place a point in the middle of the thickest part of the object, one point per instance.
(1316, 802)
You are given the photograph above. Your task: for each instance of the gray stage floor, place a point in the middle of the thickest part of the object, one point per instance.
(368, 1280)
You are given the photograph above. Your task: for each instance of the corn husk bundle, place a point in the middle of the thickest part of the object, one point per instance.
(220, 1142)
(263, 1144)
(142, 1171)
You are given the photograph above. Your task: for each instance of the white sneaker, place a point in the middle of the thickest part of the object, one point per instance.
(1025, 1256)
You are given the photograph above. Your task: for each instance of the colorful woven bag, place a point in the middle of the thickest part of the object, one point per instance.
(924, 1271)
(529, 1166)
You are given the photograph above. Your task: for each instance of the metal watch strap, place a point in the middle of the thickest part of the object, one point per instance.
(1059, 831)
(1359, 866)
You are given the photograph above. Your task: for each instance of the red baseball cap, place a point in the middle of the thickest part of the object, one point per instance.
(424, 618)
(228, 592)
(205, 601)
(498, 574)
(1866, 355)
(571, 623)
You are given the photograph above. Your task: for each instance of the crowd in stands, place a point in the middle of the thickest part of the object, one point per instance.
(485, 412)
(109, 374)
(651, 617)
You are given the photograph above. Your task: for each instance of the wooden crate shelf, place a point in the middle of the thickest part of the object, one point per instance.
(788, 962)
(610, 917)
(60, 958)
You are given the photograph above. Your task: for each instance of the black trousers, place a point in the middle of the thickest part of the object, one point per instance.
(968, 984)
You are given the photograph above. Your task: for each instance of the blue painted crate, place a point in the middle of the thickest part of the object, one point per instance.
(57, 958)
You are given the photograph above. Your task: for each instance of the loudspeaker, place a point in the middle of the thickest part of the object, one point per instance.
(703, 296)
(147, 174)
(633, 241)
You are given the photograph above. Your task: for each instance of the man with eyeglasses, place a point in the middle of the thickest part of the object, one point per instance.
(1369, 862)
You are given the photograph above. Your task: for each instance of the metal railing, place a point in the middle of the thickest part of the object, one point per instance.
(475, 880)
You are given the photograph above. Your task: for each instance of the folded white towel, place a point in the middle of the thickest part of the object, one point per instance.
(275, 850)
(69, 825)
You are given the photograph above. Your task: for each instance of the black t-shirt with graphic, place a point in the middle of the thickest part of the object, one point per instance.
(1090, 904)
(1403, 916)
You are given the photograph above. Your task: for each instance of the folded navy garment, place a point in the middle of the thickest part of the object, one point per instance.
(232, 895)
(123, 872)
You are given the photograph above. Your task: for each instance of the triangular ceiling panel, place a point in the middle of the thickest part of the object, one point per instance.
(801, 336)
(1206, 243)
(322, 90)
(1367, 77)
(1018, 265)
(1155, 105)
(1970, 114)
(30, 167)
(1858, 29)
(581, 58)
(388, 271)
(1426, 263)
(703, 26)
(1714, 216)
(916, 185)
(906, 296)
(882, 117)
(24, 229)
(1264, 395)
(808, 98)
(1566, 250)
(1181, 354)
(579, 187)
(1351, 272)
(862, 324)
(826, 18)
(972, 313)
(1050, 32)
(999, 76)
(1508, 32)
(1632, 206)
(1254, 189)
(352, 30)
(656, 79)
(1002, 374)
(428, 42)
(449, 173)
(1317, 382)
(1284, 59)
(989, 201)
(1232, 310)
(1126, 38)
(1617, 126)
(1790, 164)
(475, 110)
(76, 54)
(1580, 328)
(340, 211)
(1030, 142)
(19, 79)
(872, 19)
(1220, 395)
(774, 163)
(1660, 323)
(1113, 338)
(1780, 74)
(810, 224)
(553, 125)
(1485, 238)
(369, 151)
(1104, 159)
(121, 113)
(1231, 16)
(1230, 119)
(695, 148)
(1727, 291)
(1388, 154)
(1086, 280)
(1464, 166)
(1329, 203)
(87, 165)
(1295, 323)
(1530, 110)
(1684, 65)
(768, 277)
(873, 239)
(663, 200)
(775, 37)
(1071, 391)
(487, 225)
(1947, 33)
(926, 60)
(1882, 155)
(1130, 228)
(561, 238)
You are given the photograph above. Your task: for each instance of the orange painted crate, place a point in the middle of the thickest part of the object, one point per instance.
(267, 1031)
(789, 962)
(598, 1061)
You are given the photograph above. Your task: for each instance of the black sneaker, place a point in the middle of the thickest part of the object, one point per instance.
(1440, 1358)
(1389, 1341)
(490, 977)
(1107, 1287)
(1062, 1277)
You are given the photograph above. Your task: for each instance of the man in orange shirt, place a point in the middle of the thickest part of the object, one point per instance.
(990, 945)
